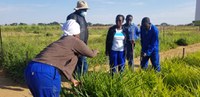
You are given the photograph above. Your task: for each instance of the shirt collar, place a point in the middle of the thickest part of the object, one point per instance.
(150, 27)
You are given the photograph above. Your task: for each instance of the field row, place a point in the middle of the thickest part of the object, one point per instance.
(20, 46)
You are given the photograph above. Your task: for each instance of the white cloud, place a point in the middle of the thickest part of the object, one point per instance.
(137, 4)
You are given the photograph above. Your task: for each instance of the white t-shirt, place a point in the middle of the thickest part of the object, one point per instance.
(118, 41)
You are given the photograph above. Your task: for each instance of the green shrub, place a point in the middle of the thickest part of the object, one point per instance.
(49, 34)
(182, 42)
(36, 32)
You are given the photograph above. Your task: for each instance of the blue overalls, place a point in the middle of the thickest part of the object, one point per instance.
(150, 46)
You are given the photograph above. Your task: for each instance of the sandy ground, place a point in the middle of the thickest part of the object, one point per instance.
(8, 88)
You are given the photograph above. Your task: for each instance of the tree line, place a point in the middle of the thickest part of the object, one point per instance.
(90, 24)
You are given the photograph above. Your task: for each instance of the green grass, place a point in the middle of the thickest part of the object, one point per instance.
(18, 51)
(22, 43)
(177, 78)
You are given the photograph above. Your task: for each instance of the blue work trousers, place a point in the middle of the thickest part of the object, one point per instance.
(130, 55)
(155, 60)
(43, 80)
(82, 66)
(117, 60)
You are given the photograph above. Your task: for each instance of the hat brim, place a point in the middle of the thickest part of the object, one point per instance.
(80, 8)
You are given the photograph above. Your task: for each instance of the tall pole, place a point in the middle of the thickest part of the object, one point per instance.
(183, 53)
(197, 14)
(1, 52)
(199, 28)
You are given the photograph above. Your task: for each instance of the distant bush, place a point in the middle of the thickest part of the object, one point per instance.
(182, 42)
(49, 34)
(36, 32)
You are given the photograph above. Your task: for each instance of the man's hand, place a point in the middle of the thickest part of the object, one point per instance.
(96, 52)
(133, 43)
(143, 54)
(75, 82)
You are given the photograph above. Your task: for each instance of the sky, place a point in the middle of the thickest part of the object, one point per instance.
(101, 11)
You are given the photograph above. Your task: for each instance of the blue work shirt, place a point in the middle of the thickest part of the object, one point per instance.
(133, 32)
(149, 40)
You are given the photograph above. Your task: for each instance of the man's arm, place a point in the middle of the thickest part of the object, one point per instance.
(153, 41)
(81, 48)
(107, 42)
(137, 33)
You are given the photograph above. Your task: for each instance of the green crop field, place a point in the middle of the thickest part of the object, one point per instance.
(179, 77)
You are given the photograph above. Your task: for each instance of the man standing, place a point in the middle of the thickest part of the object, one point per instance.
(132, 34)
(150, 44)
(79, 16)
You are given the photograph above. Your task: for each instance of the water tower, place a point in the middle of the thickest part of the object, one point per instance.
(197, 15)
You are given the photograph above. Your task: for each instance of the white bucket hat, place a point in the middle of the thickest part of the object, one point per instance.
(81, 5)
(71, 27)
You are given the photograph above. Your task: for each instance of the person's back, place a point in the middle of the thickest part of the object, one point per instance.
(149, 37)
(61, 51)
(42, 74)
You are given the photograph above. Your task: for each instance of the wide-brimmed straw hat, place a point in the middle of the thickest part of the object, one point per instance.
(81, 4)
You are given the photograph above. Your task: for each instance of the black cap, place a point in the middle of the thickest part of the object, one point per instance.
(146, 20)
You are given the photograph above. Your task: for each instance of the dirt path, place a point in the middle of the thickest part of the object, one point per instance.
(10, 89)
